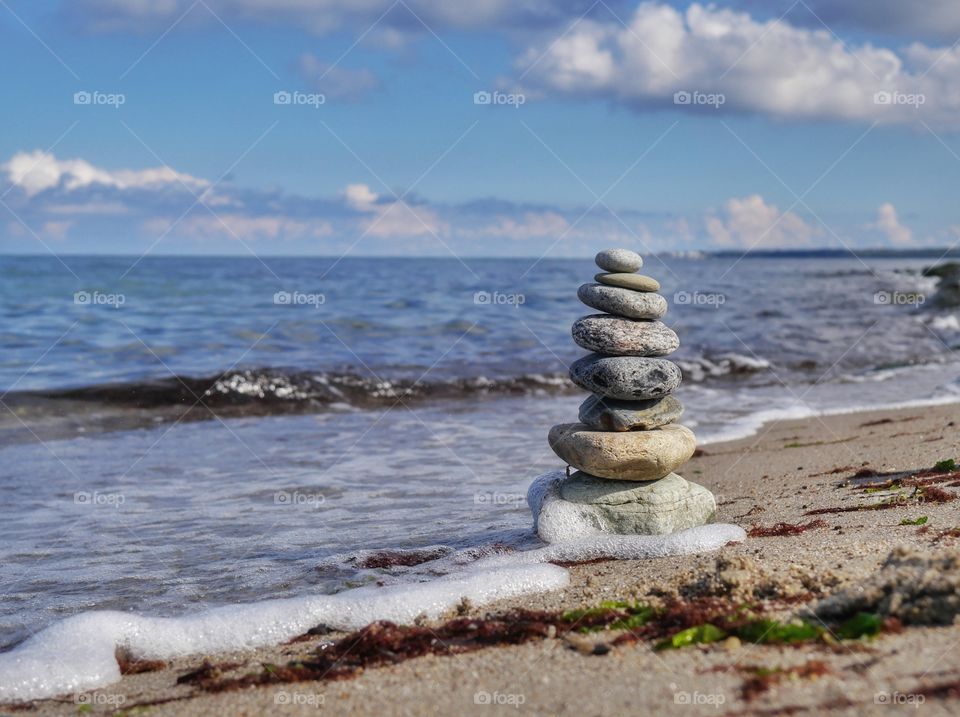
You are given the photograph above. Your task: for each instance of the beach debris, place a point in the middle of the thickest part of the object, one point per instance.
(627, 443)
(781, 529)
(918, 587)
(590, 631)
(132, 666)
(759, 679)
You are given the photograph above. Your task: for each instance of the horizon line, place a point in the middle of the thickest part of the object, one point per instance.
(765, 253)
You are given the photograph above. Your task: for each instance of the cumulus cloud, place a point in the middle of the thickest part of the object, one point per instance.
(751, 223)
(889, 226)
(360, 197)
(768, 67)
(394, 218)
(39, 171)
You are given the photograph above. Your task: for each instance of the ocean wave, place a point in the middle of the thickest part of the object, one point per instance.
(269, 390)
(279, 390)
(722, 366)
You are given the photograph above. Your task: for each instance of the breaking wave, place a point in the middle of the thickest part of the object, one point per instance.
(267, 391)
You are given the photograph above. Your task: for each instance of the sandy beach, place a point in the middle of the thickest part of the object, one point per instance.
(812, 473)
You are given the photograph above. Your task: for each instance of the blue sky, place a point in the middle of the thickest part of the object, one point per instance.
(811, 124)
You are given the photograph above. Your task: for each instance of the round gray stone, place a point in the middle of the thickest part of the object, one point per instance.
(623, 302)
(616, 336)
(619, 260)
(631, 378)
(652, 508)
(610, 414)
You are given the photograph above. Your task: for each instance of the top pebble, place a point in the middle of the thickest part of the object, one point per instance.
(619, 260)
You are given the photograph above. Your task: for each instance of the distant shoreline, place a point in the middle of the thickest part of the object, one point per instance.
(821, 253)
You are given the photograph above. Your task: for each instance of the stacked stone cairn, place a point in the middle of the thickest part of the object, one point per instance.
(628, 443)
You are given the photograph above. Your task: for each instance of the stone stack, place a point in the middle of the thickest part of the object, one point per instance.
(628, 443)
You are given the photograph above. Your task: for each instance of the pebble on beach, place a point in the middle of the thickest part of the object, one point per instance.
(631, 378)
(623, 302)
(625, 455)
(611, 414)
(619, 260)
(637, 282)
(616, 336)
(652, 508)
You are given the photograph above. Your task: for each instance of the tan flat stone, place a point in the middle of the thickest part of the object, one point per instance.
(637, 282)
(624, 455)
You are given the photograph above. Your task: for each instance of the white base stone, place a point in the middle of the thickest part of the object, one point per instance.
(674, 505)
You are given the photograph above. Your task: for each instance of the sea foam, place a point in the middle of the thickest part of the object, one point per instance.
(78, 653)
(573, 532)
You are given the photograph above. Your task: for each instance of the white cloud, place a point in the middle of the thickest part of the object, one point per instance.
(392, 219)
(239, 226)
(752, 223)
(529, 225)
(56, 229)
(680, 229)
(38, 171)
(360, 197)
(399, 219)
(336, 81)
(765, 67)
(888, 224)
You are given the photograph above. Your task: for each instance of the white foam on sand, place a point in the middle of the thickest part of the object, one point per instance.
(78, 653)
(574, 533)
(751, 424)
